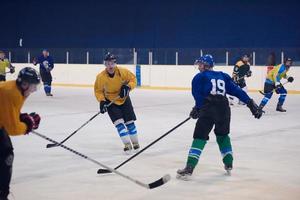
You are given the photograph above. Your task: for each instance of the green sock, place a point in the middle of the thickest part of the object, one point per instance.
(195, 152)
(225, 149)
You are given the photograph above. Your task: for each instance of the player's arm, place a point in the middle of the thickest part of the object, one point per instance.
(236, 91)
(236, 70)
(51, 63)
(13, 125)
(131, 80)
(130, 83)
(196, 91)
(99, 89)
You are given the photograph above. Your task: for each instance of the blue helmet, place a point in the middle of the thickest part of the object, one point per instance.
(207, 60)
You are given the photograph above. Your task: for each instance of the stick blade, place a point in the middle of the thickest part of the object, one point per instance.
(103, 171)
(51, 145)
(159, 182)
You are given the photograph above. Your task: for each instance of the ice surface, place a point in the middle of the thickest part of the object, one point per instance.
(266, 151)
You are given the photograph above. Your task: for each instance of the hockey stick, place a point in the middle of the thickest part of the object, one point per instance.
(152, 185)
(262, 92)
(55, 145)
(103, 171)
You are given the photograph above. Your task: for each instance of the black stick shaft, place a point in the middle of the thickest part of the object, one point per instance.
(149, 145)
(53, 145)
(148, 186)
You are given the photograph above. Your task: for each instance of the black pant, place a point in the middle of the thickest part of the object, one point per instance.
(2, 78)
(46, 77)
(215, 112)
(6, 162)
(124, 111)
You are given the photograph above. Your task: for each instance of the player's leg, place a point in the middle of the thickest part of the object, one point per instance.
(268, 90)
(201, 132)
(129, 118)
(282, 91)
(47, 83)
(116, 116)
(6, 161)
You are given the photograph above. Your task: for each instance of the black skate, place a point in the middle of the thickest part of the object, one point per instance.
(260, 107)
(228, 169)
(279, 108)
(136, 146)
(185, 174)
(49, 95)
(127, 148)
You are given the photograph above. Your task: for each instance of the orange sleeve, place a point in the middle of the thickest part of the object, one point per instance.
(131, 79)
(99, 89)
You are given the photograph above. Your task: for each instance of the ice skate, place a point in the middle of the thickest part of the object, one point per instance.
(279, 108)
(185, 174)
(127, 148)
(136, 146)
(228, 169)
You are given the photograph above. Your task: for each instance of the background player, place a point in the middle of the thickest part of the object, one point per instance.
(12, 122)
(273, 83)
(112, 82)
(240, 71)
(209, 90)
(46, 66)
(4, 63)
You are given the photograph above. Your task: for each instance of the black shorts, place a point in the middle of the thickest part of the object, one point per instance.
(268, 88)
(2, 78)
(215, 112)
(124, 111)
(46, 77)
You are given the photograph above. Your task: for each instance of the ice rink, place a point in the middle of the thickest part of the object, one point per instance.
(266, 151)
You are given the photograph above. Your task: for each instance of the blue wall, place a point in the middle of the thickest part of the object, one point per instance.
(151, 24)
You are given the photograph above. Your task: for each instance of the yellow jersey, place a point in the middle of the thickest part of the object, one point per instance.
(11, 102)
(277, 73)
(107, 87)
(3, 65)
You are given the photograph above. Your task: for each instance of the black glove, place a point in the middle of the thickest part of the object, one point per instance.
(195, 113)
(249, 73)
(103, 107)
(256, 111)
(290, 79)
(12, 69)
(124, 91)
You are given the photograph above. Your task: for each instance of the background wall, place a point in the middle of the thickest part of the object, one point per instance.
(150, 24)
(154, 76)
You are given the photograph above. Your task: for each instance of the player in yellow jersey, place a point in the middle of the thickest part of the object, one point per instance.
(273, 83)
(4, 63)
(114, 84)
(12, 122)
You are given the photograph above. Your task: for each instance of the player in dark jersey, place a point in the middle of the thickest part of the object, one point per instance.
(209, 89)
(240, 71)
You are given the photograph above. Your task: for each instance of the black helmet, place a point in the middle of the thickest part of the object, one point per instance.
(288, 59)
(110, 57)
(29, 75)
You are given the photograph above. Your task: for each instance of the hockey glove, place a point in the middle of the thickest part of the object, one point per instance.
(37, 120)
(28, 120)
(290, 79)
(124, 91)
(12, 69)
(195, 113)
(103, 107)
(255, 110)
(249, 73)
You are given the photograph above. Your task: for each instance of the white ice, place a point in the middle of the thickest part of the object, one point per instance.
(266, 151)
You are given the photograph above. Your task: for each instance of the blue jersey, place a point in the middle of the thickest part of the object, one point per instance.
(46, 63)
(215, 83)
